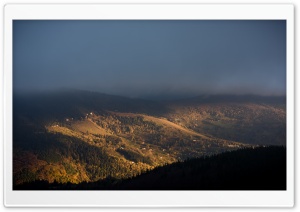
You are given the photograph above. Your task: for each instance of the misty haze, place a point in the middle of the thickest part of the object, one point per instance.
(149, 105)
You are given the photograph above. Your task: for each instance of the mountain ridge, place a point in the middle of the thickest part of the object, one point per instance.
(97, 135)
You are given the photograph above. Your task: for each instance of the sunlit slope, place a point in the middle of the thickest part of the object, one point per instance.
(163, 122)
(127, 144)
(86, 136)
(157, 138)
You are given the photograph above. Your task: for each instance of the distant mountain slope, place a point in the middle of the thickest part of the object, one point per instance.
(246, 119)
(226, 98)
(75, 136)
(76, 103)
(262, 168)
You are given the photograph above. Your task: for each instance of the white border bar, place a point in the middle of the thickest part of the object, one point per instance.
(147, 11)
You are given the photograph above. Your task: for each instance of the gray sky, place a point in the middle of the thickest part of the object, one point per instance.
(151, 58)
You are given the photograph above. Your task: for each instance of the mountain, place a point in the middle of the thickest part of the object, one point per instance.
(75, 136)
(247, 119)
(261, 168)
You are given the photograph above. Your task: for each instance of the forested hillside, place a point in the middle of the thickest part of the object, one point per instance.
(78, 136)
(261, 168)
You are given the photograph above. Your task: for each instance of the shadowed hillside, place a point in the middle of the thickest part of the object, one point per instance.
(262, 168)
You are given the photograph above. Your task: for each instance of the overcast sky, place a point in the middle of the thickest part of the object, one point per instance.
(151, 58)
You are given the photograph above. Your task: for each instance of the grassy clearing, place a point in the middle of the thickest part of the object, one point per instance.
(88, 126)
